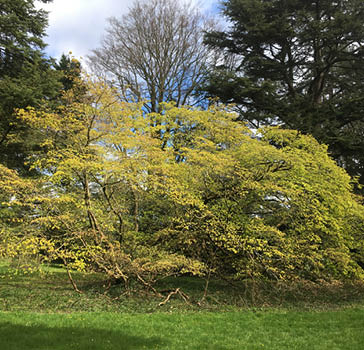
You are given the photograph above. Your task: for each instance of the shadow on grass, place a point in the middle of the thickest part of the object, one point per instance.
(20, 337)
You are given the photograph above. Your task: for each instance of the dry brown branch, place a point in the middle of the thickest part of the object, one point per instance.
(74, 285)
(183, 295)
(149, 286)
(205, 290)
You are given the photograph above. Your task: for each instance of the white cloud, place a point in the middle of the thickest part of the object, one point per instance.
(207, 6)
(78, 25)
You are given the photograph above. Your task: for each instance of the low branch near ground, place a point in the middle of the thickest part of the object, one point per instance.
(178, 291)
(74, 285)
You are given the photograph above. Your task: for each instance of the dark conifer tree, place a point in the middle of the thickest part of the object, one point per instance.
(71, 70)
(298, 63)
(26, 76)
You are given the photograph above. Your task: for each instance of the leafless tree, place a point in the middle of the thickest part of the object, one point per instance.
(155, 52)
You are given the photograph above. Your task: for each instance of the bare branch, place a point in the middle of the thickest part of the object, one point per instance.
(155, 52)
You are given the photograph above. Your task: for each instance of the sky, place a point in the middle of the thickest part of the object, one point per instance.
(77, 26)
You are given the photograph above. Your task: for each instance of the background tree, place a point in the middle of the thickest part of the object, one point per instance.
(154, 52)
(298, 63)
(26, 76)
(71, 70)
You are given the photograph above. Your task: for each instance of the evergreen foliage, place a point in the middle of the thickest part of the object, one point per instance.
(71, 69)
(26, 77)
(299, 63)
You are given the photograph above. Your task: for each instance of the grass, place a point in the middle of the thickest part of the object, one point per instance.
(41, 311)
(273, 330)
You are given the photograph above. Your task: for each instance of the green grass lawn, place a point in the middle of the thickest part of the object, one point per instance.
(41, 311)
(273, 330)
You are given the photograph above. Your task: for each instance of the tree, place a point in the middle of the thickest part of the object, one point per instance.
(275, 207)
(100, 162)
(26, 76)
(71, 69)
(155, 53)
(20, 240)
(114, 200)
(298, 63)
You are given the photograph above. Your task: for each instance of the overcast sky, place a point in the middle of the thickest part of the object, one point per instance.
(78, 25)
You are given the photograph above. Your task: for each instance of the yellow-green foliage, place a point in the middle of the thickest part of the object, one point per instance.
(100, 161)
(141, 196)
(19, 239)
(272, 205)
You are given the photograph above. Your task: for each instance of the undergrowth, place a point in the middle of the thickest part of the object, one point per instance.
(50, 290)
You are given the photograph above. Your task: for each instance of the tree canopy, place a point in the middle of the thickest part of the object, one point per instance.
(154, 52)
(298, 63)
(26, 76)
(145, 189)
(116, 199)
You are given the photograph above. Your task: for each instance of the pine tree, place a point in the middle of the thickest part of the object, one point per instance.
(71, 70)
(26, 76)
